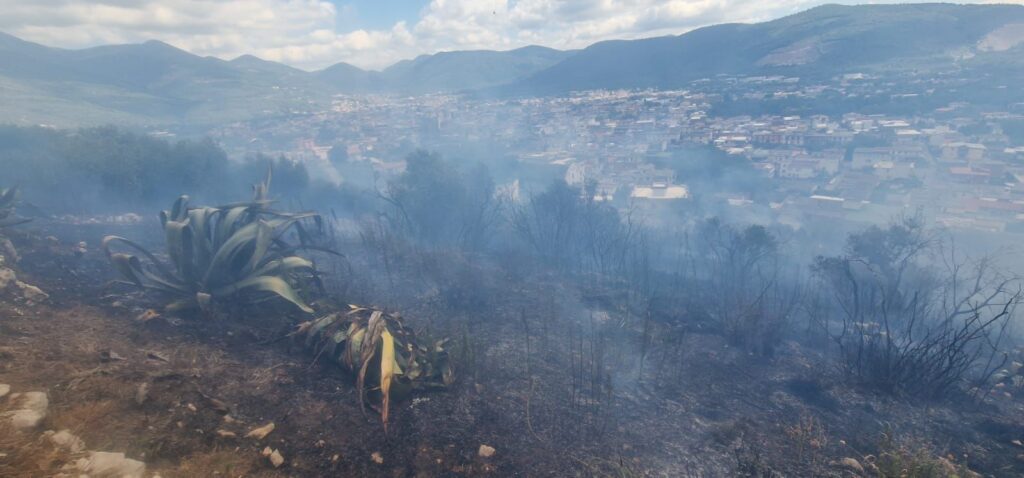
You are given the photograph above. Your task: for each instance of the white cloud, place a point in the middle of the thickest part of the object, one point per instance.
(302, 32)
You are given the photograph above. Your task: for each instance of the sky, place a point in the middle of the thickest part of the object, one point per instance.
(372, 34)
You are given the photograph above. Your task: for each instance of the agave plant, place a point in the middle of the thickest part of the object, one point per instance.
(8, 201)
(217, 253)
(381, 351)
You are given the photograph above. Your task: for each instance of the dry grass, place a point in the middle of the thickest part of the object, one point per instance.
(227, 464)
(28, 457)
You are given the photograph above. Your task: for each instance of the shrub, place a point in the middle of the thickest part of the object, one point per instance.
(915, 318)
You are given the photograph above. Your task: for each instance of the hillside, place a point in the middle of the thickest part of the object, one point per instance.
(823, 41)
(155, 83)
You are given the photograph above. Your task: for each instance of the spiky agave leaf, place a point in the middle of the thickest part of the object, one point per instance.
(218, 252)
(377, 347)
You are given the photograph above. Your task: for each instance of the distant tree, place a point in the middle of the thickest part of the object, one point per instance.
(438, 204)
(744, 286)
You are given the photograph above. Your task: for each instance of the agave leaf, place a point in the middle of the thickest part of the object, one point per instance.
(220, 267)
(199, 220)
(129, 266)
(228, 223)
(180, 209)
(179, 247)
(387, 371)
(272, 284)
(260, 246)
(164, 276)
(284, 266)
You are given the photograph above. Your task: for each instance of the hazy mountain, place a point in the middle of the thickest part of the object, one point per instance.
(822, 41)
(445, 71)
(466, 70)
(346, 78)
(154, 82)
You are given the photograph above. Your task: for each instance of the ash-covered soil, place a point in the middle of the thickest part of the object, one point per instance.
(574, 389)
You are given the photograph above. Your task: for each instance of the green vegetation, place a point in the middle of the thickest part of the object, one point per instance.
(222, 252)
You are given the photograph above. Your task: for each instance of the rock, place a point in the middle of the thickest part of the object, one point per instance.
(29, 409)
(32, 292)
(377, 458)
(486, 451)
(23, 419)
(226, 434)
(276, 459)
(148, 315)
(4, 390)
(66, 440)
(8, 250)
(261, 432)
(100, 463)
(850, 464)
(7, 277)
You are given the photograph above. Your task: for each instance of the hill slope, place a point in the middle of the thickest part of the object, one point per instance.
(823, 41)
(156, 83)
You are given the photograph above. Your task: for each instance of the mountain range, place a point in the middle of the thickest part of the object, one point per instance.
(155, 83)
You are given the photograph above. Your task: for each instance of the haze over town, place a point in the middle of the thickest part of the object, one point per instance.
(504, 238)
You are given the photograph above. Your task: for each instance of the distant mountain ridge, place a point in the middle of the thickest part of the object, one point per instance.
(156, 83)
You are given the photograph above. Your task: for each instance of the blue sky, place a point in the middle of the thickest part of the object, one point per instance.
(376, 14)
(373, 34)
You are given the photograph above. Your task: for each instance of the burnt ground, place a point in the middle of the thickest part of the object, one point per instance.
(557, 391)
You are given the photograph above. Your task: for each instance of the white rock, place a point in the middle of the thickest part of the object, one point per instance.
(486, 451)
(261, 432)
(35, 401)
(24, 419)
(9, 251)
(32, 292)
(68, 441)
(4, 390)
(276, 459)
(28, 409)
(7, 277)
(113, 465)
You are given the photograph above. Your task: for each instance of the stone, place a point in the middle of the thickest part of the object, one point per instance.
(7, 277)
(226, 434)
(68, 441)
(32, 292)
(261, 432)
(276, 459)
(850, 464)
(100, 463)
(8, 250)
(377, 458)
(4, 390)
(24, 419)
(486, 451)
(28, 409)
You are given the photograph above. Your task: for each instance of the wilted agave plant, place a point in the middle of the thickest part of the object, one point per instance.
(220, 252)
(381, 351)
(8, 201)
